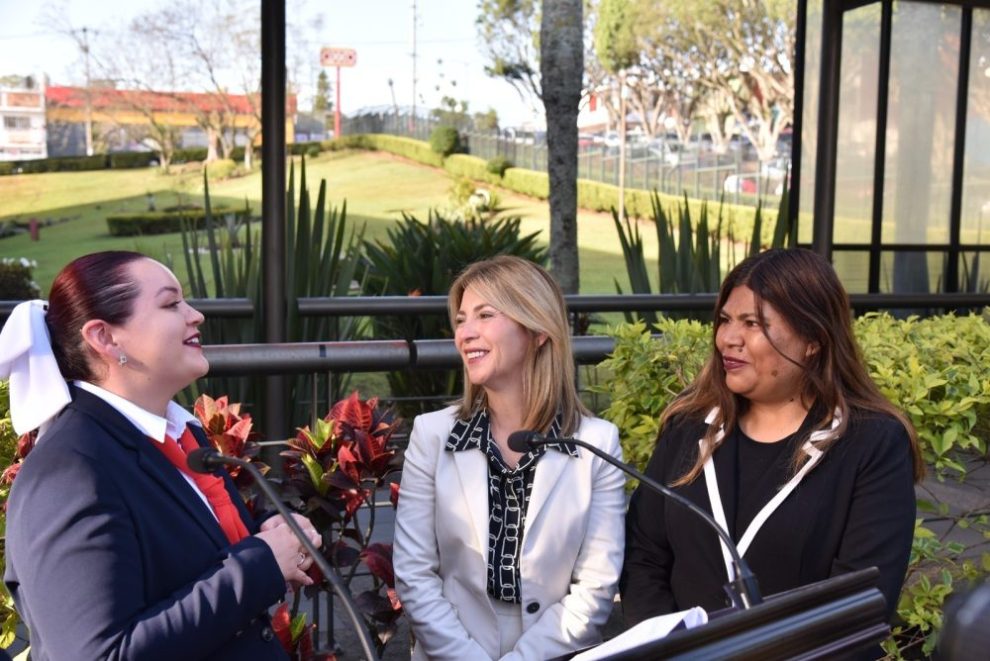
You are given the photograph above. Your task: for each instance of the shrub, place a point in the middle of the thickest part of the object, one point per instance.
(16, 280)
(646, 374)
(220, 169)
(422, 259)
(132, 159)
(469, 167)
(359, 141)
(63, 164)
(189, 155)
(527, 182)
(167, 221)
(498, 165)
(935, 370)
(10, 454)
(6, 167)
(445, 140)
(416, 150)
(305, 148)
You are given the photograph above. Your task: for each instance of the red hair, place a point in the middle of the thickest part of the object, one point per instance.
(95, 286)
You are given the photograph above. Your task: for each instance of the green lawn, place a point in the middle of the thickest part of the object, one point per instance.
(377, 187)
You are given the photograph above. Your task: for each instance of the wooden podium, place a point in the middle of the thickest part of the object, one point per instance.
(833, 618)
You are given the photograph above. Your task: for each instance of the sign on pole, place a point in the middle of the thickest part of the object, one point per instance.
(337, 57)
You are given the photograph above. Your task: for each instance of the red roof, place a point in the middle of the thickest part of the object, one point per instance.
(109, 98)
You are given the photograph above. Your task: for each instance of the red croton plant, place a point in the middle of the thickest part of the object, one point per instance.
(330, 472)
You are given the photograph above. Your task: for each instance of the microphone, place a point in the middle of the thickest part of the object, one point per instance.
(742, 590)
(207, 460)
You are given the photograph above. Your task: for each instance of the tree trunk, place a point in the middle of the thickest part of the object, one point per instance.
(561, 70)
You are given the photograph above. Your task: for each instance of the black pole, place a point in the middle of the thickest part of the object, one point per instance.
(797, 123)
(828, 128)
(275, 423)
(952, 275)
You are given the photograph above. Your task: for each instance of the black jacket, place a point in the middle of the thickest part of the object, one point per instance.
(855, 509)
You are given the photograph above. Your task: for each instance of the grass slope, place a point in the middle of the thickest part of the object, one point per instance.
(376, 186)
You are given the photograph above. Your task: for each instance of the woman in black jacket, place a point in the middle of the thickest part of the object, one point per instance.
(786, 440)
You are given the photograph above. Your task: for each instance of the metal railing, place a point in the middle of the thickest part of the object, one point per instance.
(357, 306)
(664, 165)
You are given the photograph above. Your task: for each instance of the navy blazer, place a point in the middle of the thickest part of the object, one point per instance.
(112, 555)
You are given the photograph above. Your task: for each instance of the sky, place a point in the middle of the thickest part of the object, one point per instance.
(379, 30)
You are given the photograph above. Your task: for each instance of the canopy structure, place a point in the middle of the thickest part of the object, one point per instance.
(892, 141)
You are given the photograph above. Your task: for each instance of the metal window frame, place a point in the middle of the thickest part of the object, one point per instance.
(833, 12)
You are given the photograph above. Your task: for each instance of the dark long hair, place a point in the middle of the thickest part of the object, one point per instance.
(95, 286)
(804, 288)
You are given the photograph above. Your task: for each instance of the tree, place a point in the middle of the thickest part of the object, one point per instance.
(743, 49)
(141, 62)
(508, 31)
(321, 100)
(562, 68)
(486, 121)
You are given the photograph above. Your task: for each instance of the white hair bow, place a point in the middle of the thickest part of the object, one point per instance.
(37, 390)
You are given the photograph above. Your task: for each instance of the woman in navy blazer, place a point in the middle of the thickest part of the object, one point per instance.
(112, 552)
(500, 553)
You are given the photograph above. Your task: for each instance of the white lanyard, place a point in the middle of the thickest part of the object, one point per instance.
(761, 517)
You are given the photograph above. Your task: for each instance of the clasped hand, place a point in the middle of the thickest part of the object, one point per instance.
(292, 558)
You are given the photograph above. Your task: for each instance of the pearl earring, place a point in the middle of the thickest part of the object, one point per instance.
(121, 359)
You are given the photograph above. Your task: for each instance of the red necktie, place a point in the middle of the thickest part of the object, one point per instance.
(213, 487)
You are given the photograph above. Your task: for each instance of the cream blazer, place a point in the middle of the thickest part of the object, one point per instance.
(569, 563)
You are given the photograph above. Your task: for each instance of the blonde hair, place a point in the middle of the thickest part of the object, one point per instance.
(527, 294)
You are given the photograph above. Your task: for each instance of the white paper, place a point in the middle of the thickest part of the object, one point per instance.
(652, 629)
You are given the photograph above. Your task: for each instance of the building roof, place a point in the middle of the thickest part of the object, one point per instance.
(106, 98)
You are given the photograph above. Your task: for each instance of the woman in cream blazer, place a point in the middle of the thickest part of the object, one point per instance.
(511, 330)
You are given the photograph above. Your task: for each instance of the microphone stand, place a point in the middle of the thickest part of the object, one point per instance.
(742, 589)
(206, 460)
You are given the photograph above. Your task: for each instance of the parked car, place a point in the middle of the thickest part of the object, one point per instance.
(770, 178)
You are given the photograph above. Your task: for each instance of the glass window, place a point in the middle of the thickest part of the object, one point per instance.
(924, 74)
(857, 131)
(974, 272)
(809, 120)
(912, 272)
(975, 217)
(16, 122)
(853, 267)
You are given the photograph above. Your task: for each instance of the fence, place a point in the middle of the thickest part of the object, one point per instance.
(664, 165)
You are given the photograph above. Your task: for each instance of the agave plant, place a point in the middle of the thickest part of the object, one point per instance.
(423, 259)
(690, 254)
(322, 260)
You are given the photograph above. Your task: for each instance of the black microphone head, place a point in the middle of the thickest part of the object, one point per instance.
(203, 460)
(523, 440)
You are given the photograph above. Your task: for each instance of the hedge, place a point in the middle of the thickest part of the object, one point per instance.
(472, 167)
(164, 222)
(359, 141)
(934, 369)
(592, 195)
(415, 150)
(133, 159)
